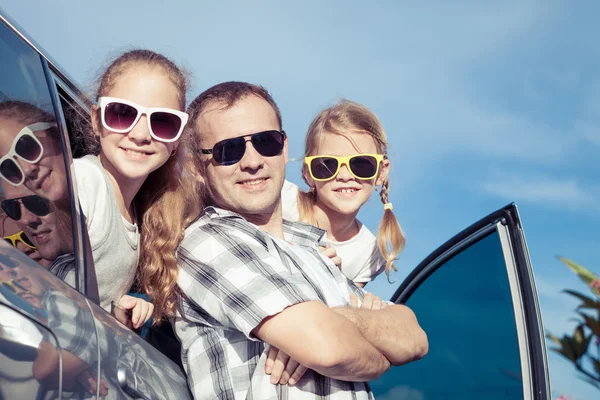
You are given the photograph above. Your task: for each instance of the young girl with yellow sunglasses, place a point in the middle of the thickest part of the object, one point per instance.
(345, 160)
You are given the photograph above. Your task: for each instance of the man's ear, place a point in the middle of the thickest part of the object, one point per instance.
(384, 170)
(285, 149)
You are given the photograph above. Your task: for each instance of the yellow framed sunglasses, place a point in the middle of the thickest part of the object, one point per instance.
(19, 237)
(360, 166)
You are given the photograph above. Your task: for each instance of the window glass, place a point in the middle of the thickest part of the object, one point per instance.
(35, 213)
(466, 309)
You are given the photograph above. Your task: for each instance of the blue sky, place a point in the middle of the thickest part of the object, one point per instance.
(483, 104)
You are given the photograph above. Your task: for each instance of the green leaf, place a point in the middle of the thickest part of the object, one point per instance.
(587, 301)
(596, 366)
(592, 323)
(592, 280)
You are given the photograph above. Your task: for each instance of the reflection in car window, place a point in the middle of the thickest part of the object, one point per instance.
(466, 309)
(53, 333)
(35, 215)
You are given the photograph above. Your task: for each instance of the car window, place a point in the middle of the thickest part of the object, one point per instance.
(466, 308)
(35, 213)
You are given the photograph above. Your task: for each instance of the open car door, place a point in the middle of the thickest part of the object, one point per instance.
(475, 298)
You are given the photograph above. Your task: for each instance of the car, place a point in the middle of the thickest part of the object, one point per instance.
(474, 296)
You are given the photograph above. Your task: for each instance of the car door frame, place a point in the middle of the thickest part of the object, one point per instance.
(530, 329)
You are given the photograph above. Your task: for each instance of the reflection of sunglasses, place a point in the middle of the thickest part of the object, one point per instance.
(25, 146)
(361, 166)
(19, 237)
(119, 115)
(231, 151)
(38, 205)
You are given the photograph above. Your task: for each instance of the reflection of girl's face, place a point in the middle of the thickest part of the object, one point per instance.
(47, 177)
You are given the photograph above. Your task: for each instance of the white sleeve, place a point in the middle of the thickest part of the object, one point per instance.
(289, 201)
(93, 199)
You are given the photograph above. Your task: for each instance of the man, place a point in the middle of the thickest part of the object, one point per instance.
(248, 278)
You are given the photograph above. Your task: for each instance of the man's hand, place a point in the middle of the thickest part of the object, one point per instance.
(393, 330)
(282, 368)
(332, 254)
(138, 311)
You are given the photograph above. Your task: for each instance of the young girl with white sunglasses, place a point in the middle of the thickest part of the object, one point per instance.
(345, 160)
(137, 122)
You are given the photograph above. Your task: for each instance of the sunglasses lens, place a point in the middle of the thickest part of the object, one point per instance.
(229, 151)
(9, 241)
(165, 125)
(11, 171)
(119, 116)
(363, 167)
(26, 240)
(12, 208)
(28, 148)
(268, 144)
(37, 205)
(324, 167)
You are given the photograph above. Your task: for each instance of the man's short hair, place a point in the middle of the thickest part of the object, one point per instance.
(227, 94)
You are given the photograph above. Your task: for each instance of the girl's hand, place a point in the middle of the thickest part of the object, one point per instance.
(369, 302)
(332, 254)
(138, 309)
(282, 368)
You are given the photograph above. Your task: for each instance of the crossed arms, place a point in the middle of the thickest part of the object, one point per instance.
(351, 344)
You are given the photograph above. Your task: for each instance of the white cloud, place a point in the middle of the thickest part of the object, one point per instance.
(541, 190)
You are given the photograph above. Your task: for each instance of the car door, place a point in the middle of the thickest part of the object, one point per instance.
(48, 341)
(475, 298)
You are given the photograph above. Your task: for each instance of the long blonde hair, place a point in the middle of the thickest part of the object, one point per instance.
(169, 198)
(346, 116)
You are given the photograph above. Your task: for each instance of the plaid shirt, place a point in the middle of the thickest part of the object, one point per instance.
(233, 275)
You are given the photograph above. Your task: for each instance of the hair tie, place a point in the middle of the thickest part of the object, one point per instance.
(387, 206)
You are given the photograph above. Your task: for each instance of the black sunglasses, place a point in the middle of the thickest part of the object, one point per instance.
(231, 151)
(38, 205)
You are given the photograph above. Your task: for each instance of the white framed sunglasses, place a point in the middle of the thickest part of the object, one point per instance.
(28, 148)
(120, 116)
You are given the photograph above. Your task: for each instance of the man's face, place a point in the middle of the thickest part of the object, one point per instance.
(251, 187)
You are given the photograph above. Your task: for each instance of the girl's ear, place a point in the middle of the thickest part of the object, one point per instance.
(95, 118)
(384, 170)
(306, 176)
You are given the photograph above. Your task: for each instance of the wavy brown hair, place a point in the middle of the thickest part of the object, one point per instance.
(168, 199)
(348, 116)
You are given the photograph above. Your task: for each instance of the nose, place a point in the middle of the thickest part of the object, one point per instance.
(28, 218)
(251, 160)
(30, 170)
(140, 133)
(343, 174)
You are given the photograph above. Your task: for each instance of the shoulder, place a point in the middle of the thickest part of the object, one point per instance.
(89, 172)
(289, 189)
(365, 233)
(217, 232)
(289, 201)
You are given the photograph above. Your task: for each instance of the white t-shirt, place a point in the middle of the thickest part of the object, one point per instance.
(114, 240)
(361, 259)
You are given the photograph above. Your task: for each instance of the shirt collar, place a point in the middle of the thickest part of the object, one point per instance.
(299, 233)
